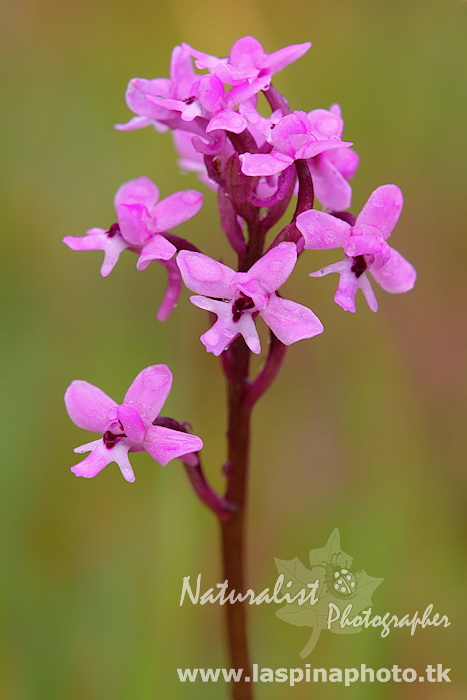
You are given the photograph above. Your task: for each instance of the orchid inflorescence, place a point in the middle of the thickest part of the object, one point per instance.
(257, 165)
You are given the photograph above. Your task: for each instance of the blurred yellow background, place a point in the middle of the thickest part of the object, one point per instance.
(365, 428)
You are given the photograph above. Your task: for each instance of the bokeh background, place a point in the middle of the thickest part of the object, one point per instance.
(365, 428)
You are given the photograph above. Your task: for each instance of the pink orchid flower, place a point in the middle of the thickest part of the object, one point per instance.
(247, 60)
(365, 247)
(238, 297)
(189, 159)
(126, 427)
(141, 221)
(209, 99)
(296, 136)
(140, 90)
(332, 169)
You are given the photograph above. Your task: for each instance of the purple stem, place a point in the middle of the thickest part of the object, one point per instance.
(192, 463)
(344, 216)
(244, 142)
(276, 100)
(214, 169)
(172, 292)
(306, 191)
(238, 186)
(233, 529)
(283, 186)
(229, 223)
(180, 243)
(205, 493)
(268, 374)
(305, 201)
(276, 212)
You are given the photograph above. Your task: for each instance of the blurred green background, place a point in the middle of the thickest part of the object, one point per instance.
(365, 428)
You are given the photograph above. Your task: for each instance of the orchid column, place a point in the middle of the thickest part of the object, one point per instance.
(256, 165)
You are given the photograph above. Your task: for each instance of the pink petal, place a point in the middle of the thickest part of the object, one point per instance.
(100, 457)
(366, 244)
(322, 231)
(184, 147)
(247, 90)
(87, 406)
(345, 160)
(168, 104)
(247, 329)
(203, 275)
(246, 51)
(94, 239)
(182, 74)
(339, 267)
(97, 239)
(134, 123)
(135, 223)
(275, 267)
(157, 248)
(218, 337)
(397, 275)
(259, 126)
(133, 426)
(215, 306)
(137, 95)
(325, 123)
(331, 188)
(346, 291)
(290, 321)
(229, 120)
(210, 91)
(203, 60)
(381, 212)
(367, 289)
(264, 164)
(141, 190)
(176, 209)
(280, 59)
(314, 148)
(251, 287)
(225, 329)
(113, 247)
(149, 390)
(164, 444)
(284, 135)
(235, 75)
